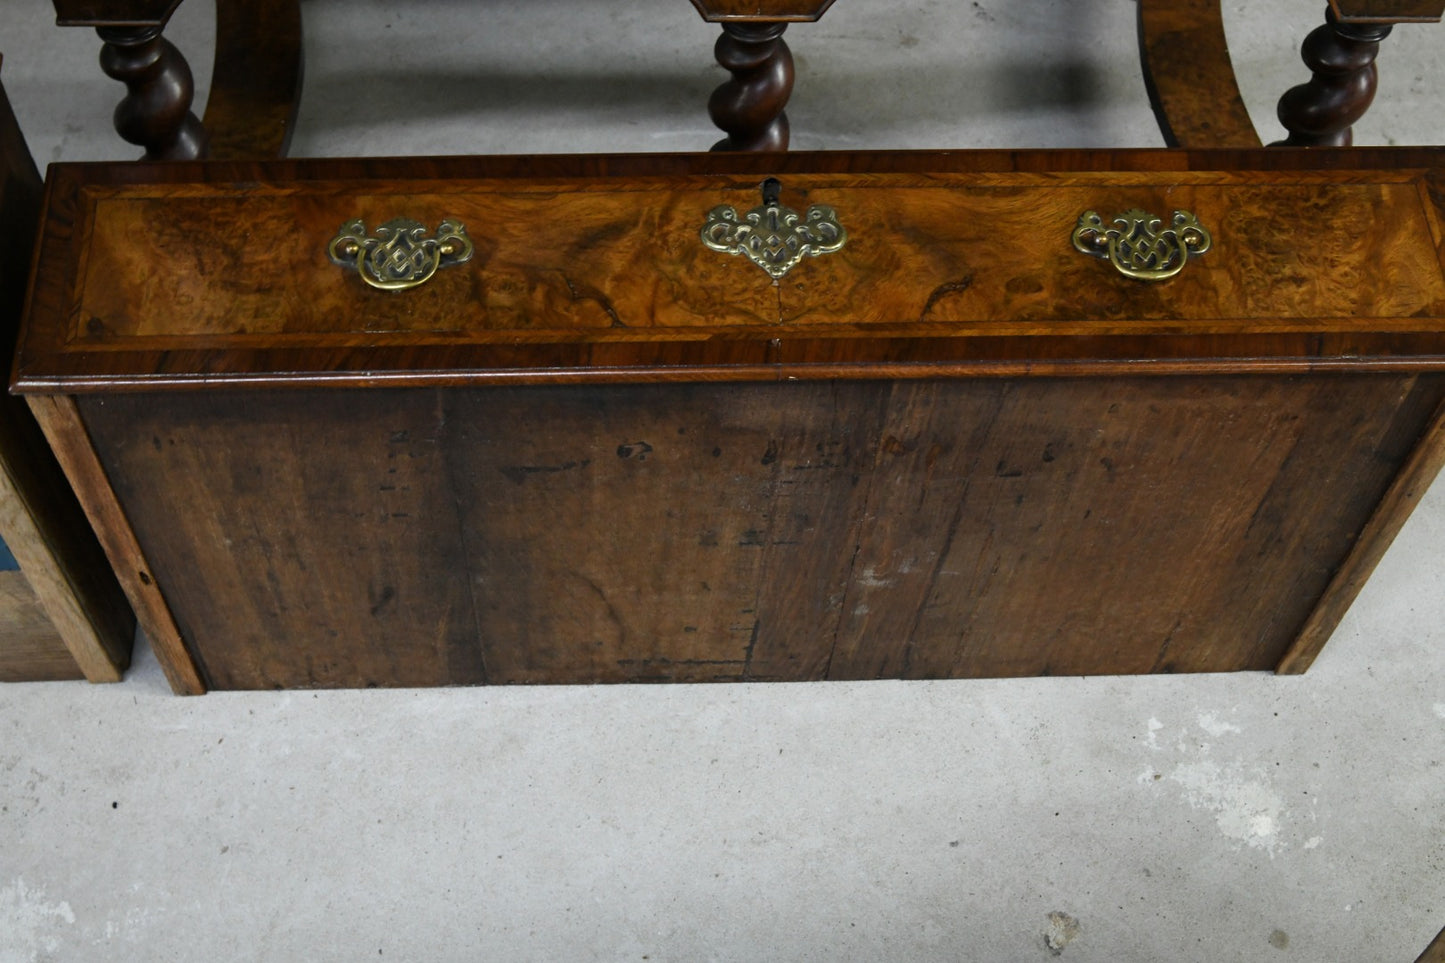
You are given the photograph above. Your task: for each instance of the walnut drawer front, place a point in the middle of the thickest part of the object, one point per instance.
(600, 450)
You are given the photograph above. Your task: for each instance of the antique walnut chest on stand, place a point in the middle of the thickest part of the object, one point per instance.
(953, 415)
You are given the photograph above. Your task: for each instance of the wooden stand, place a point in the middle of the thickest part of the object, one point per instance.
(749, 107)
(1341, 55)
(156, 111)
(1190, 76)
(257, 77)
(255, 81)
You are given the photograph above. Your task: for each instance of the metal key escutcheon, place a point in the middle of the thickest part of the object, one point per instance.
(774, 237)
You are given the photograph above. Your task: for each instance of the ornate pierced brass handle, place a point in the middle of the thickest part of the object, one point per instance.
(1139, 246)
(400, 256)
(774, 237)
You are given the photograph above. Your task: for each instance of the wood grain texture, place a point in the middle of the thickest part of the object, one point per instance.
(66, 433)
(256, 79)
(30, 648)
(1190, 75)
(1414, 478)
(708, 532)
(68, 576)
(283, 565)
(628, 533)
(83, 616)
(1183, 501)
(600, 275)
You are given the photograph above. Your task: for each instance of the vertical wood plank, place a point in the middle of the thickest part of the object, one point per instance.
(302, 539)
(930, 450)
(1120, 525)
(602, 540)
(823, 460)
(87, 611)
(659, 533)
(60, 419)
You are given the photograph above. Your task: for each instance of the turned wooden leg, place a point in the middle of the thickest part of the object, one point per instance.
(156, 110)
(749, 107)
(1320, 113)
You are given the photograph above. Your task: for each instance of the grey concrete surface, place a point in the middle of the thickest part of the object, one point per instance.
(1196, 818)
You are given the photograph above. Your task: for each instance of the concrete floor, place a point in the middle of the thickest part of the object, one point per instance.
(1197, 818)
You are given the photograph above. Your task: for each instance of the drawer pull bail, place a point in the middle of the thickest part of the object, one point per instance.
(1136, 245)
(774, 237)
(400, 255)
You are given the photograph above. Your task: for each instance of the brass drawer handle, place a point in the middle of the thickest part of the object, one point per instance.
(1136, 245)
(774, 237)
(400, 256)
